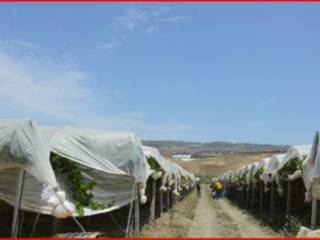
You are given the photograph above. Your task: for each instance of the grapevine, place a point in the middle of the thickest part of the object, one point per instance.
(81, 187)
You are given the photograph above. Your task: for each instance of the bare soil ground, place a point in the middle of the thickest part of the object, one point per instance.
(207, 217)
(218, 218)
(176, 222)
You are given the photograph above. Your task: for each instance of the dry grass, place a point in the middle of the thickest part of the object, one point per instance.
(174, 223)
(218, 164)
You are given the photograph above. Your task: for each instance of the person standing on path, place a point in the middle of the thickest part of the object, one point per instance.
(219, 189)
(199, 189)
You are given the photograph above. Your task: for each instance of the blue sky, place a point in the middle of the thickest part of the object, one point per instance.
(240, 72)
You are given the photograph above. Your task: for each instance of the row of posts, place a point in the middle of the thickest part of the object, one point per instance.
(315, 198)
(250, 198)
(166, 201)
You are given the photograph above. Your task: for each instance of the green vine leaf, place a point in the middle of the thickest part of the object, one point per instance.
(154, 165)
(80, 186)
(291, 166)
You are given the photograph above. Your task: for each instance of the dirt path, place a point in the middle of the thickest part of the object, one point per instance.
(206, 217)
(205, 222)
(218, 218)
(176, 222)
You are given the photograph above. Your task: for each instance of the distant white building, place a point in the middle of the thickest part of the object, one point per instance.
(183, 157)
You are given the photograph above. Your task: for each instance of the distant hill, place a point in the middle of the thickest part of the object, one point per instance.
(169, 148)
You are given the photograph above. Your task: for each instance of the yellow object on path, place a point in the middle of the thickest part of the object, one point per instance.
(218, 186)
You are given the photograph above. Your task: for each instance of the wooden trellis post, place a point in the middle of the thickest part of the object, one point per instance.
(137, 215)
(244, 195)
(153, 201)
(261, 198)
(272, 201)
(239, 194)
(248, 196)
(173, 199)
(233, 192)
(168, 200)
(161, 203)
(315, 197)
(253, 189)
(314, 213)
(236, 193)
(289, 193)
(15, 218)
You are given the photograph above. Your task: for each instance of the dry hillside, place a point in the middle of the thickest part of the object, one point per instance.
(169, 148)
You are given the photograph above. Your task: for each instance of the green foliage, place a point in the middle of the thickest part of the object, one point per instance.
(80, 186)
(241, 177)
(258, 173)
(291, 166)
(244, 175)
(190, 181)
(184, 180)
(154, 165)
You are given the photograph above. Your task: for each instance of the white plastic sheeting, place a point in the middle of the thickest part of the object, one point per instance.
(263, 163)
(251, 170)
(311, 166)
(293, 152)
(225, 177)
(153, 152)
(36, 196)
(271, 167)
(177, 179)
(248, 170)
(300, 151)
(22, 149)
(173, 172)
(108, 151)
(243, 171)
(114, 160)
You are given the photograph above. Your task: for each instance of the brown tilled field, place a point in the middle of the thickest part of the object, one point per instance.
(218, 164)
